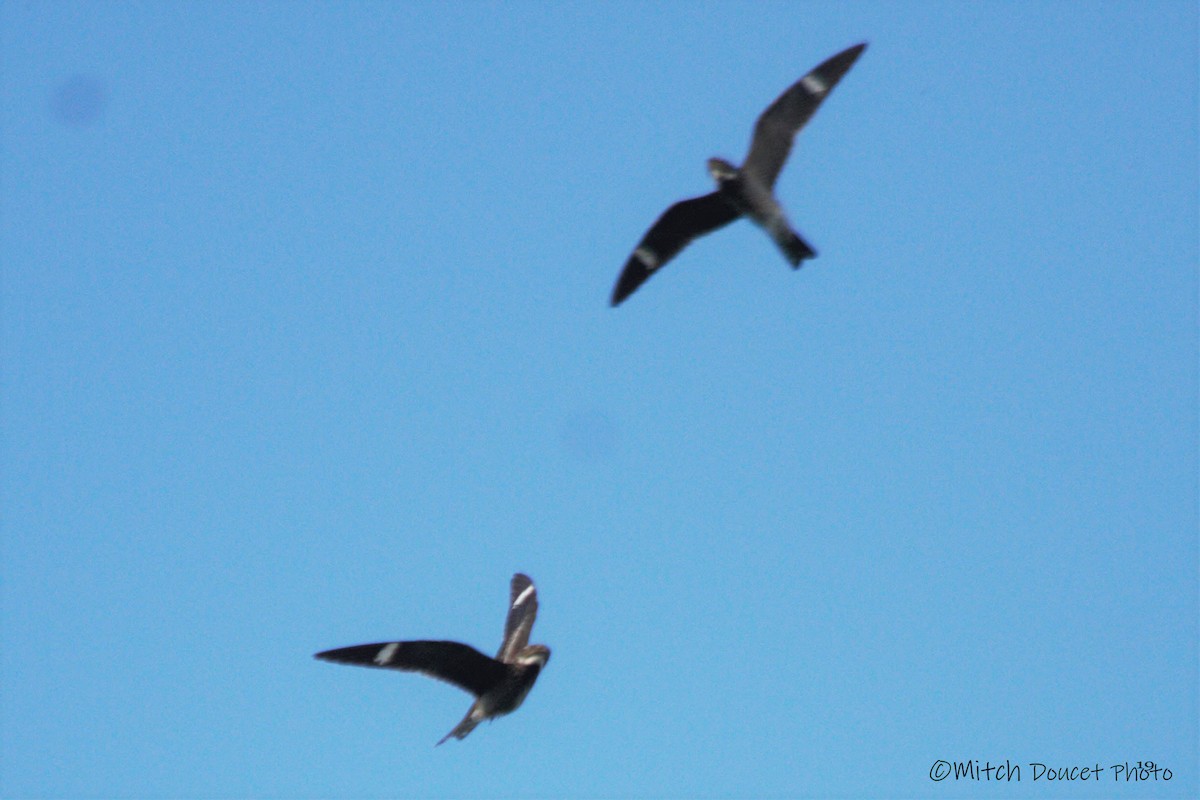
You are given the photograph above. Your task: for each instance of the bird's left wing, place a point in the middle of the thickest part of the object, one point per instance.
(679, 224)
(777, 126)
(452, 662)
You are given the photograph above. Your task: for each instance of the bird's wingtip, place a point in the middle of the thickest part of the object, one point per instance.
(851, 53)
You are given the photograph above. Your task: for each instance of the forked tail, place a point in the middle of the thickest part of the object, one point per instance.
(462, 729)
(794, 248)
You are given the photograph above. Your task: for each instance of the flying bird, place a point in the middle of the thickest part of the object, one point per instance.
(745, 192)
(499, 684)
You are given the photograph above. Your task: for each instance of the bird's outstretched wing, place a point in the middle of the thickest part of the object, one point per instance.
(777, 126)
(679, 224)
(452, 662)
(522, 611)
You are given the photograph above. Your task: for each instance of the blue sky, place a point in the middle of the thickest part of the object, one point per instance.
(306, 343)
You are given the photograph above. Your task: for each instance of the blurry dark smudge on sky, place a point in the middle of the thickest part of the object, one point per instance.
(79, 101)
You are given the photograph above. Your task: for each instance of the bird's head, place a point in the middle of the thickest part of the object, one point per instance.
(535, 655)
(721, 170)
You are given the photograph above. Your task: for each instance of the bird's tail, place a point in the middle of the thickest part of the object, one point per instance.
(463, 728)
(794, 248)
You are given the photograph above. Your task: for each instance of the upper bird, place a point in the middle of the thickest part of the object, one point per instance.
(742, 192)
(499, 684)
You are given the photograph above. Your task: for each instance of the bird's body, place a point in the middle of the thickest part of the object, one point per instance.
(747, 195)
(507, 695)
(742, 192)
(499, 684)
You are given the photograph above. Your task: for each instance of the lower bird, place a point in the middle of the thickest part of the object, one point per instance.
(745, 192)
(499, 684)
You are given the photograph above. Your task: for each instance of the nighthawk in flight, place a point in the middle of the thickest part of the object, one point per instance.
(499, 684)
(744, 192)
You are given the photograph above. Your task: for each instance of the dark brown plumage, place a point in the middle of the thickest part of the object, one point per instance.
(742, 192)
(499, 684)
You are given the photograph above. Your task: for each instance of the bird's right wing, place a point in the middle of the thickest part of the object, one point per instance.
(679, 224)
(777, 126)
(453, 662)
(522, 611)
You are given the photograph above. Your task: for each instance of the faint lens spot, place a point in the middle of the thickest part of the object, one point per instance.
(589, 435)
(79, 101)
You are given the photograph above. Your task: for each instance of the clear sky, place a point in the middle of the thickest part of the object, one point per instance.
(306, 343)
